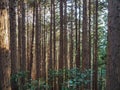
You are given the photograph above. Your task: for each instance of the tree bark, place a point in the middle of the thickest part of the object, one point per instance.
(5, 61)
(113, 58)
(38, 43)
(13, 40)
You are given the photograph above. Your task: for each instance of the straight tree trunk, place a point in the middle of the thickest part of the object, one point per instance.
(44, 45)
(76, 42)
(51, 27)
(95, 49)
(71, 38)
(23, 60)
(5, 61)
(28, 38)
(113, 58)
(19, 34)
(13, 40)
(23, 45)
(54, 45)
(85, 43)
(89, 35)
(60, 80)
(79, 39)
(85, 51)
(38, 40)
(65, 45)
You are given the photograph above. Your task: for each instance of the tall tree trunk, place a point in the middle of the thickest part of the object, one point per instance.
(50, 64)
(5, 61)
(28, 39)
(61, 43)
(79, 38)
(85, 58)
(13, 40)
(32, 43)
(51, 24)
(89, 35)
(113, 58)
(65, 45)
(54, 45)
(19, 34)
(76, 42)
(44, 45)
(38, 41)
(23, 45)
(85, 43)
(95, 50)
(71, 38)
(23, 60)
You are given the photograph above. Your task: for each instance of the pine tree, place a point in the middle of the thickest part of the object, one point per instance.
(13, 40)
(113, 58)
(5, 61)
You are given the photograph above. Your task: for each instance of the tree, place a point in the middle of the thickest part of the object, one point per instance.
(51, 35)
(85, 59)
(38, 39)
(71, 38)
(113, 58)
(5, 61)
(30, 64)
(19, 32)
(79, 38)
(95, 47)
(23, 60)
(13, 39)
(65, 45)
(61, 42)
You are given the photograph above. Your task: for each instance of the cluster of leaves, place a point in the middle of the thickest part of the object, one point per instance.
(102, 79)
(72, 78)
(29, 84)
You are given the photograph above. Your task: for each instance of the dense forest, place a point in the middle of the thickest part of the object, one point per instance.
(59, 45)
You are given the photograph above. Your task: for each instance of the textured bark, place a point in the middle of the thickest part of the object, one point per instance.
(51, 62)
(54, 45)
(61, 36)
(28, 38)
(71, 38)
(89, 35)
(5, 61)
(95, 48)
(23, 66)
(85, 59)
(65, 45)
(85, 43)
(44, 46)
(13, 40)
(61, 43)
(54, 36)
(19, 33)
(38, 42)
(79, 39)
(32, 43)
(51, 27)
(77, 61)
(89, 31)
(113, 58)
(23, 60)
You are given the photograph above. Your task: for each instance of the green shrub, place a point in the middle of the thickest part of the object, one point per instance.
(29, 84)
(73, 77)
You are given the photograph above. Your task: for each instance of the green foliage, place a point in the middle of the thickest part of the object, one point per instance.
(29, 84)
(73, 77)
(15, 79)
(102, 79)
